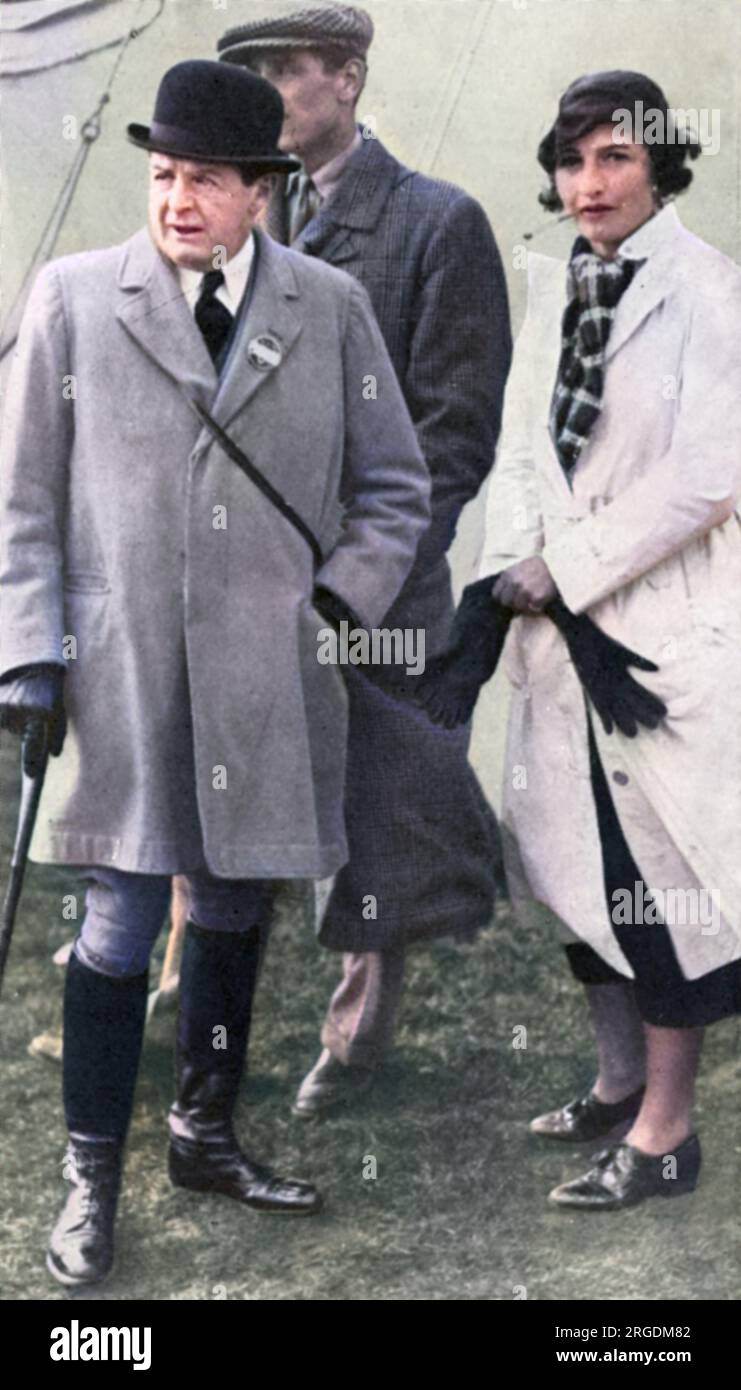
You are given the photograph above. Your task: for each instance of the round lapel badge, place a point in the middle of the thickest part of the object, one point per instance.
(264, 352)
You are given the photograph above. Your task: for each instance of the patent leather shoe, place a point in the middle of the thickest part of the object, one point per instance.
(623, 1176)
(586, 1119)
(220, 1166)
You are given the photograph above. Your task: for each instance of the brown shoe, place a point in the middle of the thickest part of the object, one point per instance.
(328, 1085)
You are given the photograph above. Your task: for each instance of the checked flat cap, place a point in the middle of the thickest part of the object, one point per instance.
(343, 27)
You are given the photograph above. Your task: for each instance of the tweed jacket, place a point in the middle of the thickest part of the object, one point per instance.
(423, 842)
(425, 252)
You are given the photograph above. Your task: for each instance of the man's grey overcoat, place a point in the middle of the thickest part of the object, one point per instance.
(422, 839)
(202, 725)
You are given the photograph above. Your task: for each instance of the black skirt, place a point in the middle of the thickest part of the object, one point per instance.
(664, 996)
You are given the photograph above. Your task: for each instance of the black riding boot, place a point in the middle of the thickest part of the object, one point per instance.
(103, 1030)
(217, 981)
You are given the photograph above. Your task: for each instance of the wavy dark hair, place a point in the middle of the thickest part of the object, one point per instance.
(596, 100)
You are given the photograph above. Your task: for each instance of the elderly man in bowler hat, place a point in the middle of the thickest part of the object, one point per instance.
(204, 737)
(424, 850)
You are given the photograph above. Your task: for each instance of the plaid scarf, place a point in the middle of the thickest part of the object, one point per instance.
(595, 288)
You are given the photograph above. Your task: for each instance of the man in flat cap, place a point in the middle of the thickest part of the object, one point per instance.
(165, 605)
(423, 843)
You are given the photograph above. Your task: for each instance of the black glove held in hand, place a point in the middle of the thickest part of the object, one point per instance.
(602, 664)
(32, 705)
(449, 687)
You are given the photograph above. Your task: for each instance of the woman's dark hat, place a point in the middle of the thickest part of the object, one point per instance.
(219, 113)
(596, 100)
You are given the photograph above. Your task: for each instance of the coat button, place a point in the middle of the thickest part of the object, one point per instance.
(621, 778)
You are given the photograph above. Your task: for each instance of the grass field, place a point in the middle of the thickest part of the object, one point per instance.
(457, 1210)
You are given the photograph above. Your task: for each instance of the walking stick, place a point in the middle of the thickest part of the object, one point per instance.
(165, 996)
(31, 790)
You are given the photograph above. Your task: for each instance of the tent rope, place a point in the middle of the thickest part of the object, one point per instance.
(89, 133)
(430, 153)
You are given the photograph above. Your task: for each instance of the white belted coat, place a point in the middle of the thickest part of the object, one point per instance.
(647, 540)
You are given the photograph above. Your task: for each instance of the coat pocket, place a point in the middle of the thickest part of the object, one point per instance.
(86, 582)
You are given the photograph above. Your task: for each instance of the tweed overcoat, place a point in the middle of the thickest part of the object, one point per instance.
(422, 839)
(202, 726)
(647, 540)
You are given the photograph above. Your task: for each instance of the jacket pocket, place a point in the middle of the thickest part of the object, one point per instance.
(86, 582)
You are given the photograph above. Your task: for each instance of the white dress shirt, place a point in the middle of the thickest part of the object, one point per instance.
(236, 274)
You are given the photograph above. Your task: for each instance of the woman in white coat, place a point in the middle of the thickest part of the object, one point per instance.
(617, 489)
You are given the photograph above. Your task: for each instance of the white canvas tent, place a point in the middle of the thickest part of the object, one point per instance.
(41, 34)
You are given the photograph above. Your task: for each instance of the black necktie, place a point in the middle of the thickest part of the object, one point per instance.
(213, 317)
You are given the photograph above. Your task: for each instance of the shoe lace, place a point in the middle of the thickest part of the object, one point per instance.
(92, 1177)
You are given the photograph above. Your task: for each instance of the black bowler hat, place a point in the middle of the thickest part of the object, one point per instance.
(218, 113)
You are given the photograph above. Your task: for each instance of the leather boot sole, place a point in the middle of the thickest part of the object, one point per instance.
(299, 1199)
(69, 1281)
(678, 1190)
(259, 1204)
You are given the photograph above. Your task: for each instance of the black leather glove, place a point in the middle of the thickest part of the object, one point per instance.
(450, 686)
(392, 679)
(450, 683)
(602, 667)
(332, 609)
(32, 705)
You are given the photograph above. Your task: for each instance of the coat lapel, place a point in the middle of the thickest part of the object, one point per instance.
(273, 317)
(647, 289)
(326, 238)
(355, 206)
(153, 310)
(655, 243)
(323, 231)
(547, 296)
